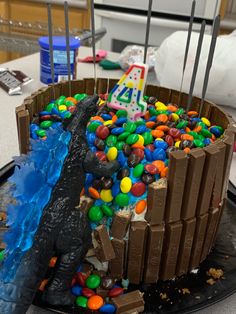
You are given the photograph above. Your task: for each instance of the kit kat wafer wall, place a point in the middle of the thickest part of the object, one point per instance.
(183, 214)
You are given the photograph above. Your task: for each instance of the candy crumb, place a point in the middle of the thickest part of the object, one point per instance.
(215, 273)
(211, 281)
(185, 291)
(163, 296)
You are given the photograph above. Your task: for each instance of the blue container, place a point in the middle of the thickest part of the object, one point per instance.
(59, 58)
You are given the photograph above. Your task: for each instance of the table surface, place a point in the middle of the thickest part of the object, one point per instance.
(9, 140)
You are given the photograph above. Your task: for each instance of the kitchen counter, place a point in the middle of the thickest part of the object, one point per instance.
(72, 3)
(9, 139)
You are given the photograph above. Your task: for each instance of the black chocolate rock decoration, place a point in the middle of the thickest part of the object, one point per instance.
(63, 227)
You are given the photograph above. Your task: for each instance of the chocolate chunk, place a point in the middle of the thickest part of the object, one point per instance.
(153, 253)
(208, 179)
(104, 249)
(218, 184)
(176, 180)
(186, 243)
(128, 303)
(99, 143)
(136, 251)
(156, 201)
(192, 184)
(170, 250)
(120, 224)
(151, 100)
(107, 282)
(117, 265)
(198, 241)
(147, 178)
(211, 226)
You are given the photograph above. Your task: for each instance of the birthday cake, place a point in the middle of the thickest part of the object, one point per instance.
(156, 217)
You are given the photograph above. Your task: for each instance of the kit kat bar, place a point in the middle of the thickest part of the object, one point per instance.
(129, 303)
(170, 250)
(193, 182)
(186, 243)
(198, 241)
(136, 251)
(221, 209)
(229, 139)
(208, 178)
(117, 265)
(156, 201)
(211, 226)
(218, 184)
(153, 253)
(23, 130)
(120, 224)
(176, 181)
(104, 249)
(3, 230)
(89, 86)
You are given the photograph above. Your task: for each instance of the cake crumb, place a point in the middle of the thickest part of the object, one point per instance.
(215, 273)
(211, 281)
(185, 291)
(163, 296)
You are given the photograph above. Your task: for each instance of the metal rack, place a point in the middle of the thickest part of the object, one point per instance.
(22, 37)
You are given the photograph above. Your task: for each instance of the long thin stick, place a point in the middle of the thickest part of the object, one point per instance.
(67, 43)
(195, 68)
(51, 46)
(93, 41)
(214, 16)
(147, 30)
(190, 27)
(215, 32)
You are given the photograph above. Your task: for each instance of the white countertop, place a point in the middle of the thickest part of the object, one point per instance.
(9, 140)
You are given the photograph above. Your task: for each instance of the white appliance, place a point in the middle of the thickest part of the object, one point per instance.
(125, 20)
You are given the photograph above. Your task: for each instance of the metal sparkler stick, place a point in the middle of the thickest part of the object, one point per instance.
(93, 41)
(51, 46)
(67, 43)
(147, 30)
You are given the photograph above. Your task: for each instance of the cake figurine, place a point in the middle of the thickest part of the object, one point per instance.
(45, 219)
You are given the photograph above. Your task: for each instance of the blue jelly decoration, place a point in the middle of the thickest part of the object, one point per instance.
(160, 144)
(159, 154)
(141, 129)
(117, 131)
(44, 113)
(107, 308)
(148, 154)
(121, 121)
(76, 290)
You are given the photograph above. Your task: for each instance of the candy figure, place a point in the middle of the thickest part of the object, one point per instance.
(45, 219)
(128, 92)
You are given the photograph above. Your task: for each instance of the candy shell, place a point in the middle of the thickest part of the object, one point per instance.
(148, 154)
(198, 143)
(147, 178)
(130, 127)
(138, 189)
(122, 199)
(93, 125)
(140, 140)
(206, 121)
(122, 173)
(95, 302)
(52, 262)
(106, 196)
(123, 136)
(107, 308)
(102, 132)
(148, 138)
(76, 290)
(140, 206)
(138, 170)
(41, 133)
(62, 108)
(94, 193)
(132, 138)
(101, 156)
(115, 189)
(81, 278)
(151, 168)
(46, 124)
(125, 185)
(87, 292)
(141, 129)
(107, 211)
(117, 131)
(112, 153)
(111, 140)
(80, 97)
(95, 214)
(82, 301)
(159, 154)
(106, 183)
(115, 292)
(133, 160)
(139, 152)
(93, 281)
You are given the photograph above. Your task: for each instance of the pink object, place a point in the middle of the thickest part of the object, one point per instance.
(102, 53)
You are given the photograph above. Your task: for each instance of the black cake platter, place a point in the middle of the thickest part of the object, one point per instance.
(173, 296)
